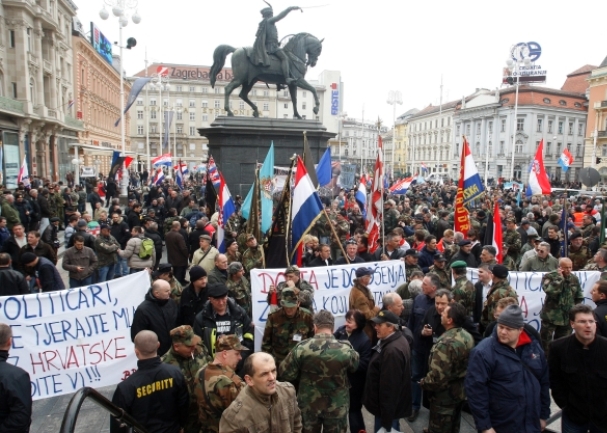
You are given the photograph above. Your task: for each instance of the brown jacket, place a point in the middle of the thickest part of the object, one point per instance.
(361, 299)
(177, 250)
(249, 412)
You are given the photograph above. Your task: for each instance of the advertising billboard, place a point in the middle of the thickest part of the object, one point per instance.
(101, 43)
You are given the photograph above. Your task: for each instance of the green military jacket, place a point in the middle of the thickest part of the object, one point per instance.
(240, 291)
(252, 259)
(444, 275)
(447, 367)
(499, 290)
(305, 296)
(579, 258)
(464, 293)
(282, 333)
(562, 293)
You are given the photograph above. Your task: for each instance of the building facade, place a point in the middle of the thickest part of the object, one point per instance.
(402, 143)
(196, 105)
(36, 87)
(487, 120)
(596, 132)
(97, 105)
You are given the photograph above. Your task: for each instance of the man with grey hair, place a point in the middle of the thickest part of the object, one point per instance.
(321, 364)
(15, 389)
(542, 261)
(156, 395)
(394, 303)
(488, 254)
(239, 287)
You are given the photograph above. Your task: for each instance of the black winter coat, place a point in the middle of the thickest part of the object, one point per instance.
(158, 316)
(15, 397)
(388, 386)
(12, 283)
(13, 249)
(190, 305)
(45, 207)
(133, 219)
(601, 317)
(121, 233)
(361, 343)
(578, 379)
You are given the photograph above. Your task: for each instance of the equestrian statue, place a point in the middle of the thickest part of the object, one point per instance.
(270, 63)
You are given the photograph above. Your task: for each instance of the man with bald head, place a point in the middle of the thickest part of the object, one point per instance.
(563, 291)
(250, 409)
(157, 313)
(156, 395)
(219, 274)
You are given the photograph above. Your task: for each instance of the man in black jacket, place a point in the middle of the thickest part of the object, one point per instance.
(133, 216)
(158, 313)
(11, 282)
(150, 230)
(578, 374)
(599, 297)
(193, 297)
(156, 395)
(122, 233)
(43, 272)
(324, 257)
(15, 389)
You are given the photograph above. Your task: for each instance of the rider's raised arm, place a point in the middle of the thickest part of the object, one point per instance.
(283, 14)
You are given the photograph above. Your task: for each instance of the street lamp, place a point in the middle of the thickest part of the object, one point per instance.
(120, 9)
(394, 98)
(514, 65)
(160, 82)
(342, 116)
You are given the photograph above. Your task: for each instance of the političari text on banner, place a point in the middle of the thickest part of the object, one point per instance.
(73, 338)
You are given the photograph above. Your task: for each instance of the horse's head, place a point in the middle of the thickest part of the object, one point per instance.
(313, 48)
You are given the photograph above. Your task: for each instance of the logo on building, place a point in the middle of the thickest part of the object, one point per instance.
(520, 51)
(525, 73)
(334, 99)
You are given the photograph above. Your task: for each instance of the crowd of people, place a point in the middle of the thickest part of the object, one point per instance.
(438, 341)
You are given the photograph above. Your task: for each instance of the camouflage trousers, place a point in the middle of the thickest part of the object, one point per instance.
(550, 332)
(444, 418)
(335, 422)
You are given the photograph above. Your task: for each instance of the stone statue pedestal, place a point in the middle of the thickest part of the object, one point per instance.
(238, 143)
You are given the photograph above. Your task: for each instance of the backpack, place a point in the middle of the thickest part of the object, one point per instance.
(146, 249)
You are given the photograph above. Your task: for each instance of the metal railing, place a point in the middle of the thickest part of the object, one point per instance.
(68, 424)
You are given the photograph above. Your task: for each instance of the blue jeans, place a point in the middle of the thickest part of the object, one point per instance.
(81, 283)
(419, 368)
(121, 268)
(568, 426)
(395, 424)
(106, 273)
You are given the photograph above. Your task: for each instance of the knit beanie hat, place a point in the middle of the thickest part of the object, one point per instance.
(512, 317)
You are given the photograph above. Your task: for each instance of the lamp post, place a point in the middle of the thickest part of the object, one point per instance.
(160, 82)
(394, 98)
(514, 65)
(342, 116)
(120, 9)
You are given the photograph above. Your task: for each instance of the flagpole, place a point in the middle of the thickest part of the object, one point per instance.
(381, 185)
(288, 228)
(147, 117)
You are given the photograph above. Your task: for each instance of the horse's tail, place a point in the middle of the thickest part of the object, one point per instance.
(219, 59)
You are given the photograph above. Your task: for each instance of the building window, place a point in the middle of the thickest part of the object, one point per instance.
(546, 101)
(540, 124)
(563, 102)
(179, 115)
(139, 129)
(304, 94)
(286, 105)
(192, 115)
(303, 106)
(217, 103)
(11, 38)
(205, 118)
(580, 130)
(266, 106)
(32, 91)
(578, 150)
(241, 105)
(217, 90)
(179, 129)
(570, 128)
(179, 88)
(468, 129)
(501, 148)
(205, 90)
(179, 102)
(139, 101)
(205, 104)
(520, 124)
(548, 149)
(192, 130)
(165, 103)
(457, 133)
(560, 131)
(153, 128)
(490, 127)
(266, 93)
(192, 103)
(503, 129)
(152, 102)
(152, 114)
(139, 114)
(192, 89)
(29, 39)
(478, 129)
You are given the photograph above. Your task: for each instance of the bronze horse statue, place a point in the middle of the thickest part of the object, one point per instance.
(302, 50)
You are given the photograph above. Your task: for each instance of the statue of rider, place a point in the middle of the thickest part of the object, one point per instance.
(266, 41)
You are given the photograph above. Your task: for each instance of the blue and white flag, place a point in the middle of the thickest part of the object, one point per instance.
(323, 169)
(135, 91)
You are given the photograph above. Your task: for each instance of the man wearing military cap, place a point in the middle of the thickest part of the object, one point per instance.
(253, 257)
(578, 253)
(217, 384)
(188, 353)
(500, 288)
(441, 270)
(239, 287)
(512, 239)
(293, 280)
(287, 326)
(411, 257)
(165, 272)
(465, 254)
(463, 289)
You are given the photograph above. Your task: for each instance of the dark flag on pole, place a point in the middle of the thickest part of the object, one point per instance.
(277, 252)
(564, 223)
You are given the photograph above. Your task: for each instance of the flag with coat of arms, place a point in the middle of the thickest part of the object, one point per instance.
(566, 159)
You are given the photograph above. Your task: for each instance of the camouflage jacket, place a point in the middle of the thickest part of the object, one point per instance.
(306, 294)
(240, 291)
(510, 262)
(176, 289)
(391, 220)
(409, 269)
(216, 387)
(579, 258)
(447, 367)
(321, 364)
(499, 290)
(513, 239)
(465, 293)
(168, 222)
(282, 333)
(252, 259)
(562, 293)
(586, 230)
(342, 228)
(233, 257)
(594, 267)
(444, 275)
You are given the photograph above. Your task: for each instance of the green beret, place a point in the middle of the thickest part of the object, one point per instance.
(459, 264)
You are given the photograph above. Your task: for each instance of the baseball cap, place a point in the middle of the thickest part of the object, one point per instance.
(217, 291)
(412, 252)
(385, 316)
(228, 342)
(288, 298)
(440, 258)
(292, 270)
(184, 334)
(361, 272)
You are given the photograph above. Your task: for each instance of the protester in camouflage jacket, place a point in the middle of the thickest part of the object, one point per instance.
(321, 364)
(286, 327)
(442, 271)
(500, 288)
(217, 385)
(448, 364)
(188, 353)
(306, 291)
(239, 287)
(563, 291)
(252, 258)
(463, 290)
(578, 253)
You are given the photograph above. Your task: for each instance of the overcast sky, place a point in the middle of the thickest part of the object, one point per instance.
(380, 45)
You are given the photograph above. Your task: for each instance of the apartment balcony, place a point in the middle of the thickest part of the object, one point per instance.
(74, 123)
(7, 104)
(600, 105)
(602, 134)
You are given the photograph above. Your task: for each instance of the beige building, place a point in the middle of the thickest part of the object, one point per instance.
(196, 105)
(97, 89)
(596, 132)
(36, 87)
